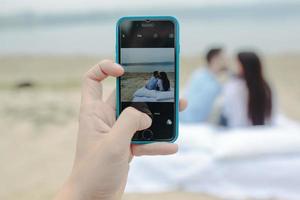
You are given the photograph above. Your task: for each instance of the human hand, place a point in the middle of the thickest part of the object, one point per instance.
(104, 147)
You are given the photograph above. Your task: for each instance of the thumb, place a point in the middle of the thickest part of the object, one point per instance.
(130, 121)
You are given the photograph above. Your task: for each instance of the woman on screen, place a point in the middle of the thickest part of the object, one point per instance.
(163, 83)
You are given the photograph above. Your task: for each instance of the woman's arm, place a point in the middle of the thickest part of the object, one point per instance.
(159, 85)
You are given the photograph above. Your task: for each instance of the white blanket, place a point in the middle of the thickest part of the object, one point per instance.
(242, 163)
(143, 94)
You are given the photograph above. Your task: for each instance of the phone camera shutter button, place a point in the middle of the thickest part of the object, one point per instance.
(147, 134)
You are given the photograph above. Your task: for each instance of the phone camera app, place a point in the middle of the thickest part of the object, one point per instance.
(149, 75)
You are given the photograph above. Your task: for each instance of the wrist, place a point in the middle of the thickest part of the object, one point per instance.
(68, 191)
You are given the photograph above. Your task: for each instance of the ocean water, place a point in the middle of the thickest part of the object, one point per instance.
(150, 68)
(264, 28)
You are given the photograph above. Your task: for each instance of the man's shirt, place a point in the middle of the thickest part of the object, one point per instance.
(201, 93)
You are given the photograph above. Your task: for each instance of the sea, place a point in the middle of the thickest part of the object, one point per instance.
(267, 28)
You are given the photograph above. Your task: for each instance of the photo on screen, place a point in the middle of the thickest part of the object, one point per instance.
(149, 75)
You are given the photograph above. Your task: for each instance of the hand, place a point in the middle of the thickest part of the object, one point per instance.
(104, 147)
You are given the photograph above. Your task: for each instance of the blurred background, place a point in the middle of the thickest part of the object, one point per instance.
(46, 46)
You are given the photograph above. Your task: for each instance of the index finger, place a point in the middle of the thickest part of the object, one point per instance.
(92, 87)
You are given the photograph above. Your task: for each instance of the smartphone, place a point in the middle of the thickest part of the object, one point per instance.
(148, 49)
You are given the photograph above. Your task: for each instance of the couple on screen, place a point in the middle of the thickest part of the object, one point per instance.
(159, 81)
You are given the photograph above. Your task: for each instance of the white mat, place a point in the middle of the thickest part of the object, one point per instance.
(257, 162)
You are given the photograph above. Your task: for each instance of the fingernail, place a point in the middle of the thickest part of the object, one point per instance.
(118, 66)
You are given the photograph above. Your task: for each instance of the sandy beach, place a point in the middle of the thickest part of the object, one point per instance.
(39, 119)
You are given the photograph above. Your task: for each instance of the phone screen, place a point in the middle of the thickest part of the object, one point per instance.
(147, 52)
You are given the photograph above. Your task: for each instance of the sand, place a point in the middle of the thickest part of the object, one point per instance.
(38, 124)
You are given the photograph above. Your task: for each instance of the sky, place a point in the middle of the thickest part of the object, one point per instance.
(9, 7)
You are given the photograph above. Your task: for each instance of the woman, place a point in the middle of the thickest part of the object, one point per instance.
(163, 83)
(248, 97)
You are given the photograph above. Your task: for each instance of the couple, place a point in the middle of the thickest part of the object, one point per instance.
(247, 97)
(159, 81)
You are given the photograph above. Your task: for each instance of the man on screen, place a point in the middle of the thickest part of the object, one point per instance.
(152, 82)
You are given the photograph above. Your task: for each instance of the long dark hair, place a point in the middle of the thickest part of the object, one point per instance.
(260, 95)
(165, 80)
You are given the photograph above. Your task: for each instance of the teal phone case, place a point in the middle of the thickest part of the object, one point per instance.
(177, 50)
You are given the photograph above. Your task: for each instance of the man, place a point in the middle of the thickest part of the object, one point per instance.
(152, 83)
(204, 87)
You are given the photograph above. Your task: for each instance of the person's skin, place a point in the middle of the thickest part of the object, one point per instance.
(218, 63)
(104, 147)
(240, 70)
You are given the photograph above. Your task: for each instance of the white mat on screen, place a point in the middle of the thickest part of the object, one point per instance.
(153, 95)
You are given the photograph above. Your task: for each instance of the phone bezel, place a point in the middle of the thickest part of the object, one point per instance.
(177, 49)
